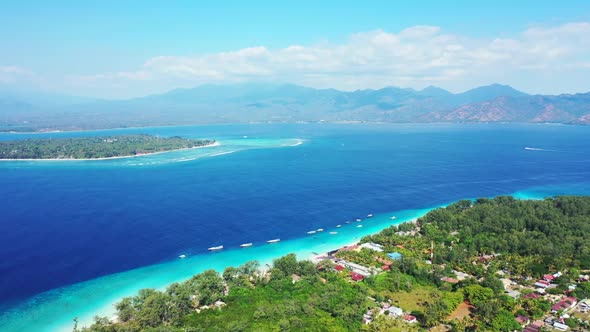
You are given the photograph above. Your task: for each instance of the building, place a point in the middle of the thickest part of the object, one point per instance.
(395, 311)
(542, 284)
(560, 327)
(450, 280)
(523, 320)
(534, 327)
(410, 319)
(372, 246)
(513, 294)
(532, 296)
(564, 304)
(356, 276)
(365, 271)
(394, 255)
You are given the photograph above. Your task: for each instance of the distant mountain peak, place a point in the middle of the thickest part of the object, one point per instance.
(434, 91)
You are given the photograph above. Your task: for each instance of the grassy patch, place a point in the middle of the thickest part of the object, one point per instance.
(413, 300)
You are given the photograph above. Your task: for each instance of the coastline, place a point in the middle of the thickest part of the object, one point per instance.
(216, 143)
(55, 310)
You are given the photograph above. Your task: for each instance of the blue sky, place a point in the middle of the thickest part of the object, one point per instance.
(121, 49)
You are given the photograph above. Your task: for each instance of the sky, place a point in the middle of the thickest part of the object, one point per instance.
(124, 49)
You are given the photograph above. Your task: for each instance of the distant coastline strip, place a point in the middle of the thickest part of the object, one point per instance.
(143, 145)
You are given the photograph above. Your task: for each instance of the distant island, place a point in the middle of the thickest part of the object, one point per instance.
(103, 147)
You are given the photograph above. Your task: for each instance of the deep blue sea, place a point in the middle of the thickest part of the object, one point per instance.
(63, 223)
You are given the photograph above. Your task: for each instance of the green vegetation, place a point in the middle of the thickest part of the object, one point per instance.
(94, 147)
(486, 240)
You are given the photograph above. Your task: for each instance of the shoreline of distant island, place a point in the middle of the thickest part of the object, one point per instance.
(118, 157)
(196, 144)
(343, 122)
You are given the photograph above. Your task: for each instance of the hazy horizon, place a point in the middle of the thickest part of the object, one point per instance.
(113, 50)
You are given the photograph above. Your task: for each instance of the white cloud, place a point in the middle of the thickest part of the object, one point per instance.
(414, 57)
(15, 74)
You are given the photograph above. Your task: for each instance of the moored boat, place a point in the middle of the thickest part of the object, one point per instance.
(393, 217)
(370, 215)
(358, 220)
(359, 226)
(311, 232)
(338, 226)
(273, 241)
(182, 256)
(333, 233)
(215, 248)
(245, 245)
(320, 229)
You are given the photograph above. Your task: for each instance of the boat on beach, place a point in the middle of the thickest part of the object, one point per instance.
(215, 248)
(273, 241)
(245, 245)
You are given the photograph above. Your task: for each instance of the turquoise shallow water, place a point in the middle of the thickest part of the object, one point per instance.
(87, 299)
(77, 236)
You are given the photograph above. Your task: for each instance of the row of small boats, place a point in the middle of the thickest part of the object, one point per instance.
(370, 215)
(319, 230)
(244, 245)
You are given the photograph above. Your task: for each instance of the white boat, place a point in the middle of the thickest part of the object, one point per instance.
(311, 232)
(182, 256)
(393, 217)
(245, 245)
(273, 241)
(215, 248)
(359, 226)
(370, 215)
(358, 220)
(333, 233)
(338, 226)
(347, 222)
(320, 229)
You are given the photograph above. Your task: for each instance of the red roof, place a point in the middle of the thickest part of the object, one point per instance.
(356, 277)
(338, 267)
(450, 280)
(532, 296)
(409, 318)
(564, 304)
(385, 268)
(548, 277)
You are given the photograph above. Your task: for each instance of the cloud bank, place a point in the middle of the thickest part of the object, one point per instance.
(539, 59)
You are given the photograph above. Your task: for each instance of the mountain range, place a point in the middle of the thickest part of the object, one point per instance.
(289, 103)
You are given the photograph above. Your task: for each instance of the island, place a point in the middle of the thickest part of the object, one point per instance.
(96, 147)
(498, 264)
